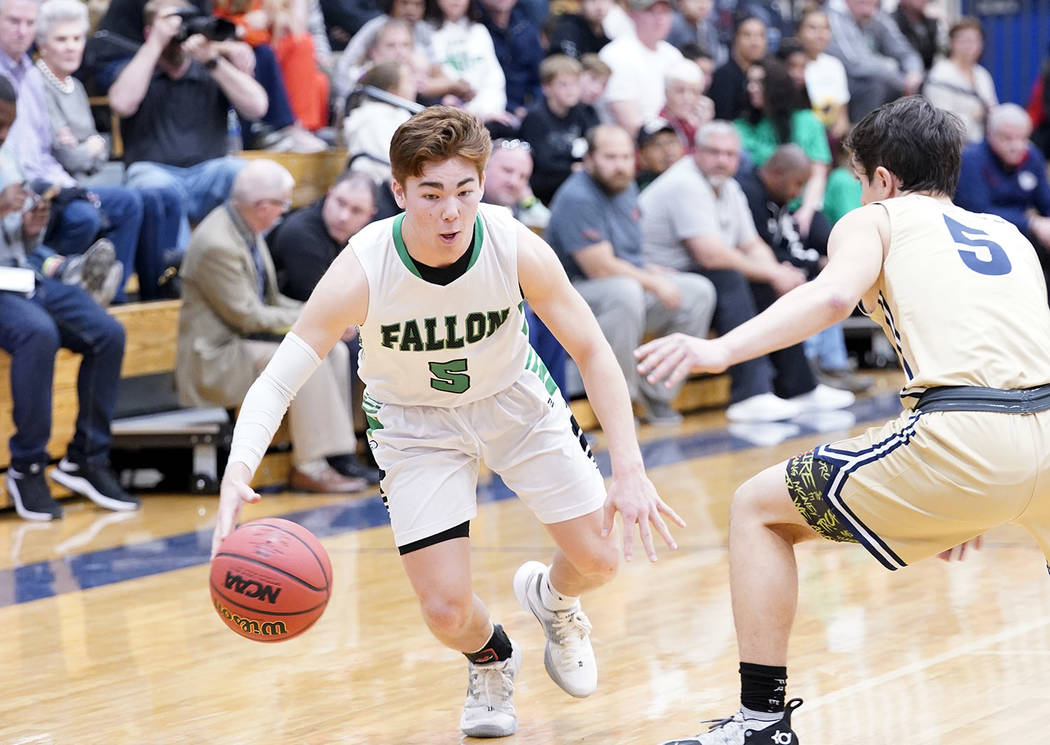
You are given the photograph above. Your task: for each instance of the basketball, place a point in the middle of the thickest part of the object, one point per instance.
(270, 580)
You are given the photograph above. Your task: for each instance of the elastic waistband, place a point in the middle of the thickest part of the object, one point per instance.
(976, 398)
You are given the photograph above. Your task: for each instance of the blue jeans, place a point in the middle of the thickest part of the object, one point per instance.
(163, 213)
(31, 331)
(827, 348)
(75, 228)
(200, 188)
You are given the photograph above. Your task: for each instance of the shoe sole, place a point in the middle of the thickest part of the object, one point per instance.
(26, 514)
(492, 730)
(83, 487)
(522, 591)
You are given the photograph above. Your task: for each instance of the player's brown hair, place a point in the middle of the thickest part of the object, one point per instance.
(435, 134)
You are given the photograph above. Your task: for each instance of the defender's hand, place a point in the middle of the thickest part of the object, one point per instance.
(671, 358)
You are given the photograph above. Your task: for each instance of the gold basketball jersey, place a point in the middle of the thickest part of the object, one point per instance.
(962, 299)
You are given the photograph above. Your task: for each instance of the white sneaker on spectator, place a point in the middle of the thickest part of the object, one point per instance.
(489, 708)
(824, 398)
(764, 407)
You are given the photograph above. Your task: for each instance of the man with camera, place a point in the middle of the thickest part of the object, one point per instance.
(174, 98)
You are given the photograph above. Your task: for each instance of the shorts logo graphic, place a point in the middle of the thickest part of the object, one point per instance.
(782, 738)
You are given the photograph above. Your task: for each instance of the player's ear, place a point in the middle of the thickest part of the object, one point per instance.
(884, 180)
(399, 192)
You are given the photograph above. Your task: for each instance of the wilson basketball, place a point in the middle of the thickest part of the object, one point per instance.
(270, 580)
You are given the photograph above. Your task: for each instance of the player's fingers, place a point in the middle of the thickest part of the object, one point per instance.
(978, 542)
(665, 366)
(647, 539)
(651, 353)
(607, 518)
(628, 541)
(680, 373)
(665, 508)
(662, 529)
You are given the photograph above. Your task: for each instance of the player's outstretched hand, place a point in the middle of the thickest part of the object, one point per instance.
(233, 493)
(635, 498)
(671, 358)
(963, 550)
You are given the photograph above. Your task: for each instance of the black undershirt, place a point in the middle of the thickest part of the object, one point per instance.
(444, 275)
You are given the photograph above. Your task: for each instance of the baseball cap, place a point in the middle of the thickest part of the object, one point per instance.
(643, 4)
(651, 128)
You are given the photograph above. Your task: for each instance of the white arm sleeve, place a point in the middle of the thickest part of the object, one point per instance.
(268, 398)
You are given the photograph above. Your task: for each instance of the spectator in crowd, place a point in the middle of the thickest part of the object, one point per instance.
(34, 323)
(695, 218)
(370, 125)
(507, 183)
(702, 59)
(778, 113)
(174, 101)
(60, 145)
(687, 108)
(595, 230)
(284, 26)
(880, 64)
(826, 82)
(593, 80)
(639, 62)
(400, 33)
(958, 83)
(78, 215)
(843, 191)
(305, 243)
(556, 125)
(1039, 109)
(345, 18)
(463, 50)
(577, 34)
(769, 189)
(729, 83)
(692, 24)
(659, 148)
(232, 320)
(1005, 175)
(516, 39)
(918, 24)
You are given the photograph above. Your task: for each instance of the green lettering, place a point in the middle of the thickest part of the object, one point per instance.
(390, 334)
(475, 327)
(411, 341)
(451, 340)
(432, 341)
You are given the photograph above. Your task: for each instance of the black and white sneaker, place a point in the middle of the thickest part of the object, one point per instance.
(741, 730)
(97, 483)
(31, 496)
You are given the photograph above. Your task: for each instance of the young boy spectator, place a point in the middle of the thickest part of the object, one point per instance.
(593, 80)
(577, 34)
(659, 148)
(556, 126)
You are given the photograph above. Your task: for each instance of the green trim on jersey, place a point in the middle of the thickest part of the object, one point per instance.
(371, 408)
(406, 259)
(534, 364)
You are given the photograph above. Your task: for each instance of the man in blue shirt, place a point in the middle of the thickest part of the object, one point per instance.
(595, 230)
(1005, 175)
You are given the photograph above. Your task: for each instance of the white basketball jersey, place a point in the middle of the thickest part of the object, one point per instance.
(962, 299)
(424, 344)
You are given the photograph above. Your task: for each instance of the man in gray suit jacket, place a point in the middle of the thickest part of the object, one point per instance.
(233, 317)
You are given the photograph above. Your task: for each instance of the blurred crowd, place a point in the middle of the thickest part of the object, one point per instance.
(682, 157)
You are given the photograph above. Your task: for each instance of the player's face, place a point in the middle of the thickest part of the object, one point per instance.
(440, 205)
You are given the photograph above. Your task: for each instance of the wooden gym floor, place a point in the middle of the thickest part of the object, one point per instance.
(109, 638)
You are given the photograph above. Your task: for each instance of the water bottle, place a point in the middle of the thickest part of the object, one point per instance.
(234, 143)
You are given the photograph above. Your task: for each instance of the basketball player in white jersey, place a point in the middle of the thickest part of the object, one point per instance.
(962, 299)
(451, 382)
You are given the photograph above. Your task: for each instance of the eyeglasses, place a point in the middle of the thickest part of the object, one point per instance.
(514, 144)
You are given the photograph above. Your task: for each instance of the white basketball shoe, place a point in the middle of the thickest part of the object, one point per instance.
(569, 657)
(489, 708)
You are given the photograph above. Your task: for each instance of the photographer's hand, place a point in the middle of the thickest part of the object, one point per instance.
(200, 48)
(165, 27)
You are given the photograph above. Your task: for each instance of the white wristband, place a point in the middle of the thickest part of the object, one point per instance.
(268, 398)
